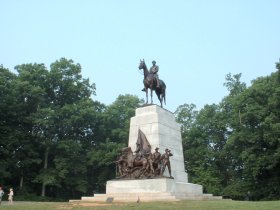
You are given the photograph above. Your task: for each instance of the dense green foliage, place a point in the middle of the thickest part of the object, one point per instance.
(233, 148)
(57, 142)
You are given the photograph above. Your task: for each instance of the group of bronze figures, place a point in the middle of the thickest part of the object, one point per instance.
(142, 163)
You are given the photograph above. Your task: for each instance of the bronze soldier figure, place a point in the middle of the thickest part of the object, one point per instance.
(157, 161)
(154, 71)
(166, 162)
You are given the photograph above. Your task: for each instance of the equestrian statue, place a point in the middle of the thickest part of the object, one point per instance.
(152, 82)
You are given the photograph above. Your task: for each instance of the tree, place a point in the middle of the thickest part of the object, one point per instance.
(186, 115)
(7, 125)
(64, 92)
(20, 100)
(255, 140)
(118, 116)
(234, 85)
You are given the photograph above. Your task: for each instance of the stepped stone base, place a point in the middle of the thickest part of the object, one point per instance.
(162, 189)
(146, 197)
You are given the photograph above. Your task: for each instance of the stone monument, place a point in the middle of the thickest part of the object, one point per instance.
(162, 131)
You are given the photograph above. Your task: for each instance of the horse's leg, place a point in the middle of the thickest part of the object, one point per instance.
(163, 96)
(147, 96)
(160, 99)
(151, 96)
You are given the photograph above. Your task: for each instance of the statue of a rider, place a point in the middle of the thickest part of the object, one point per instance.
(154, 70)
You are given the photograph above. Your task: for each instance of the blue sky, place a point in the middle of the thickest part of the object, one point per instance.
(195, 42)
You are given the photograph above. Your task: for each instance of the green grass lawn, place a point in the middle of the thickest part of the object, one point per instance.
(179, 205)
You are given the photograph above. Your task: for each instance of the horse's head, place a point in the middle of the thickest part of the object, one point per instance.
(142, 64)
(126, 150)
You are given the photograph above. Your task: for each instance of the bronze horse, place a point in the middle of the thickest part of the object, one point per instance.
(150, 83)
(131, 166)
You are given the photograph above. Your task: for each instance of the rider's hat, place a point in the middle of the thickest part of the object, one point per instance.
(156, 148)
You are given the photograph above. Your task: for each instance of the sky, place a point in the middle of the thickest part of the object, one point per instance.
(194, 42)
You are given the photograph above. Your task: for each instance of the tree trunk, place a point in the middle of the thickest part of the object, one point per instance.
(21, 182)
(43, 193)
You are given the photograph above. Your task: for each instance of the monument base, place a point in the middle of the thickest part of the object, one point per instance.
(159, 185)
(161, 189)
